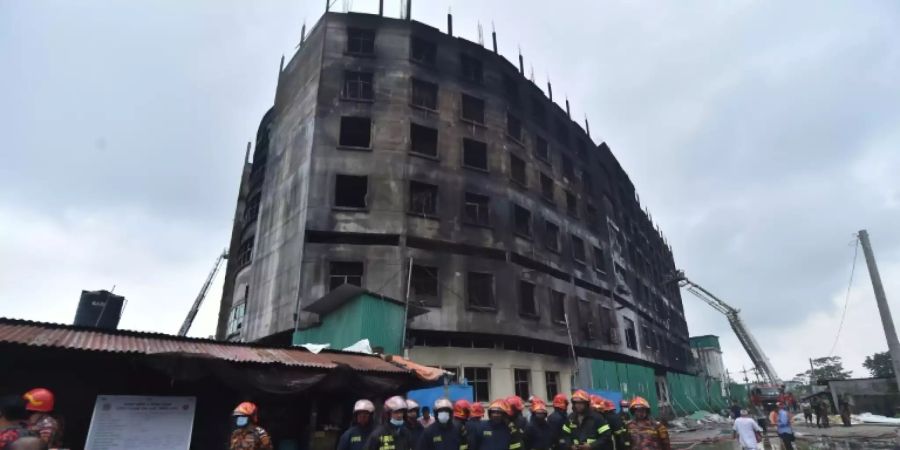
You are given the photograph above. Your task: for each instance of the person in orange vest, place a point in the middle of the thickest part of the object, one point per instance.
(646, 433)
(558, 418)
(585, 429)
(248, 435)
(40, 403)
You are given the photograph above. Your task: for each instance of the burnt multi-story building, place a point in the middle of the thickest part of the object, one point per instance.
(399, 157)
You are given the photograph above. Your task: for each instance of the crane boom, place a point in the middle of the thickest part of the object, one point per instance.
(183, 331)
(757, 356)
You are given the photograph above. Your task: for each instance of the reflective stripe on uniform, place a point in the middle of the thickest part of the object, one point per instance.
(515, 446)
(591, 441)
(619, 431)
(603, 429)
(438, 438)
(356, 439)
(566, 429)
(464, 447)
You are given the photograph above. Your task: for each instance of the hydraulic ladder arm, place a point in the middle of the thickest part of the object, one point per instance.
(183, 331)
(757, 356)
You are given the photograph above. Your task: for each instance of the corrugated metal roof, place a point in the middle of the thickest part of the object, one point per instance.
(38, 334)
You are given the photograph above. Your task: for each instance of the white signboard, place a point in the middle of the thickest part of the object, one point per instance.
(129, 422)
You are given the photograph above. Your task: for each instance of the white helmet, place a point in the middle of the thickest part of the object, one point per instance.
(411, 404)
(442, 403)
(395, 403)
(363, 405)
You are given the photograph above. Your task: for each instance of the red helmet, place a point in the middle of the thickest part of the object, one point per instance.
(608, 406)
(639, 402)
(581, 396)
(461, 409)
(515, 402)
(596, 402)
(538, 406)
(502, 406)
(39, 400)
(476, 410)
(560, 401)
(248, 409)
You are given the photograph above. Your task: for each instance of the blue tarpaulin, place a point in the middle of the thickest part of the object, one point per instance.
(614, 396)
(426, 397)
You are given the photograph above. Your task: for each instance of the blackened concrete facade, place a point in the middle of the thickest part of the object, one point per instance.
(490, 281)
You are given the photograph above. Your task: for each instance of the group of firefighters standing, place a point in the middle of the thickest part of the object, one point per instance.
(592, 424)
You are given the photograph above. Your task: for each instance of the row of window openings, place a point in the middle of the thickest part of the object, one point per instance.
(351, 191)
(480, 380)
(362, 41)
(356, 131)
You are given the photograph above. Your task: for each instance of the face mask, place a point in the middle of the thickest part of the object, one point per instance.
(396, 422)
(443, 417)
(242, 421)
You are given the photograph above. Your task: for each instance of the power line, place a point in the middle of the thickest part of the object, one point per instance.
(847, 297)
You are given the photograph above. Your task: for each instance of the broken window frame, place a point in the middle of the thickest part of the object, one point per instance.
(571, 204)
(471, 146)
(416, 135)
(360, 41)
(422, 51)
(345, 276)
(579, 254)
(522, 229)
(480, 206)
(423, 94)
(347, 178)
(542, 149)
(425, 278)
(474, 281)
(352, 136)
(522, 382)
(511, 89)
(480, 380)
(514, 162)
(471, 68)
(514, 128)
(568, 167)
(358, 86)
(551, 383)
(245, 253)
(423, 199)
(467, 114)
(551, 230)
(528, 306)
(599, 260)
(630, 334)
(557, 307)
(538, 111)
(548, 188)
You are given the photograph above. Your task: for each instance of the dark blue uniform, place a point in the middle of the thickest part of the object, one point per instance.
(439, 436)
(472, 426)
(354, 438)
(591, 430)
(618, 429)
(539, 435)
(415, 432)
(492, 436)
(556, 420)
(389, 437)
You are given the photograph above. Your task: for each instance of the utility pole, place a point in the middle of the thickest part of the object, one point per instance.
(886, 319)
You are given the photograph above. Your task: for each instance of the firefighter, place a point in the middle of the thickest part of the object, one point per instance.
(624, 416)
(646, 433)
(443, 434)
(558, 418)
(40, 403)
(392, 434)
(355, 436)
(619, 431)
(498, 433)
(517, 406)
(539, 432)
(585, 430)
(12, 420)
(476, 414)
(461, 411)
(248, 435)
(412, 422)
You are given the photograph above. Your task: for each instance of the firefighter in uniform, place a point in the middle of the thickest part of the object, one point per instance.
(40, 403)
(443, 434)
(476, 414)
(558, 418)
(585, 430)
(619, 431)
(248, 435)
(356, 435)
(392, 434)
(499, 433)
(517, 406)
(646, 433)
(538, 432)
(412, 422)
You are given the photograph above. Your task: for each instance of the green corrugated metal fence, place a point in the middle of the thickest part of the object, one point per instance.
(365, 317)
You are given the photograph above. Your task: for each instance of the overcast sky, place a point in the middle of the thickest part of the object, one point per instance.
(761, 135)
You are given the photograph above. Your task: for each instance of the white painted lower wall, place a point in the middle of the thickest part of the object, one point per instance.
(502, 364)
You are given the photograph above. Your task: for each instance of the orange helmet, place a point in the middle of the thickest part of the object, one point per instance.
(581, 396)
(538, 406)
(39, 400)
(560, 401)
(461, 409)
(502, 406)
(515, 402)
(639, 402)
(248, 409)
(476, 410)
(608, 406)
(596, 402)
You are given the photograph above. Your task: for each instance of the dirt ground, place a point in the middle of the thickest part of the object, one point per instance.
(719, 437)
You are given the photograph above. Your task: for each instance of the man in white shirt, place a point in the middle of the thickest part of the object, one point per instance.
(746, 430)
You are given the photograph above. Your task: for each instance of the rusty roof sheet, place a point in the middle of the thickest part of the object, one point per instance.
(39, 334)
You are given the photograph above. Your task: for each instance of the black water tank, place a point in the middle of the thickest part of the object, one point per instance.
(99, 309)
